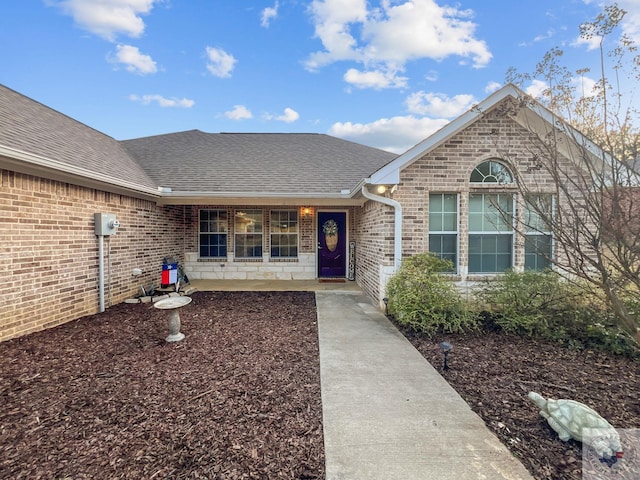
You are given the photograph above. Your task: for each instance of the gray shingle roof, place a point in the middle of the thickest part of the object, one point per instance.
(191, 162)
(31, 127)
(252, 163)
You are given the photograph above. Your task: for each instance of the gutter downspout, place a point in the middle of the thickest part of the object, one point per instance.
(397, 243)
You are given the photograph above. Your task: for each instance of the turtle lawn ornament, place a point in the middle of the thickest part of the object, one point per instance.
(571, 419)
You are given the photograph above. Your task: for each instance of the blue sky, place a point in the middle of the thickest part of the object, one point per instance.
(382, 73)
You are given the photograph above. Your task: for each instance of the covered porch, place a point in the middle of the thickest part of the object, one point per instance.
(274, 285)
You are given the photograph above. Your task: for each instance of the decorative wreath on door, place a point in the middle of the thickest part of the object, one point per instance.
(330, 230)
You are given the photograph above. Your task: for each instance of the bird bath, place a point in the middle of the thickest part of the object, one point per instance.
(173, 304)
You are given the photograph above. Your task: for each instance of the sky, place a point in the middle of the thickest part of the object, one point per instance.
(382, 73)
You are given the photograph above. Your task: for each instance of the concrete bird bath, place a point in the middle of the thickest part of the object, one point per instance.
(173, 304)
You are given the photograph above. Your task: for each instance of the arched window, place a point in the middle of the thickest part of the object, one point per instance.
(491, 231)
(491, 171)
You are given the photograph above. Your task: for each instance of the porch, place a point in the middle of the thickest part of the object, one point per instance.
(276, 285)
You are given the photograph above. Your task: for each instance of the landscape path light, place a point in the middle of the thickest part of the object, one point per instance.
(446, 348)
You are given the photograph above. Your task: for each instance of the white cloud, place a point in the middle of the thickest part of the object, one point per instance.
(162, 101)
(387, 37)
(544, 36)
(376, 79)
(631, 21)
(239, 112)
(492, 87)
(107, 18)
(585, 86)
(592, 43)
(220, 63)
(268, 14)
(396, 134)
(438, 104)
(134, 61)
(536, 88)
(288, 116)
(630, 25)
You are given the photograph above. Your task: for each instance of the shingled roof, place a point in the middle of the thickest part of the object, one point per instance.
(49, 140)
(38, 140)
(284, 164)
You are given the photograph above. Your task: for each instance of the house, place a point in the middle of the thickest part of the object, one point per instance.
(251, 206)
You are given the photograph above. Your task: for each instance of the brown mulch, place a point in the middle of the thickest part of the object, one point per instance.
(107, 397)
(494, 372)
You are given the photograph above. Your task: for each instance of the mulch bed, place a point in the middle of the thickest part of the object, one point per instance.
(106, 397)
(494, 372)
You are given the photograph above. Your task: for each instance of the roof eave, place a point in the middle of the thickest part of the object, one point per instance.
(390, 173)
(36, 165)
(257, 198)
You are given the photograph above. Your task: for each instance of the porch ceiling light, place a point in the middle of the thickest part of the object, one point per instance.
(381, 189)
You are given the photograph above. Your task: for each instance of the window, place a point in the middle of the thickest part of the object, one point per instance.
(490, 232)
(248, 234)
(538, 238)
(283, 227)
(213, 233)
(491, 171)
(443, 226)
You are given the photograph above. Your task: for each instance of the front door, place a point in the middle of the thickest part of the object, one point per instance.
(332, 244)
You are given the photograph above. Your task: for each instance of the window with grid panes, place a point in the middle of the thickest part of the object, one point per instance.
(490, 232)
(283, 230)
(443, 226)
(538, 239)
(248, 226)
(212, 233)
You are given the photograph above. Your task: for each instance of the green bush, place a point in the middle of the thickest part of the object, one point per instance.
(527, 303)
(421, 297)
(542, 304)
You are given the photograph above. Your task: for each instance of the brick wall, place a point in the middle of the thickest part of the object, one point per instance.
(375, 244)
(49, 251)
(302, 268)
(446, 169)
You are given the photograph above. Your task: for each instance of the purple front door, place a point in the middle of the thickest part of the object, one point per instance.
(332, 244)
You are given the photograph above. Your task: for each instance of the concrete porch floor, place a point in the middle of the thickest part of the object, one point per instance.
(273, 285)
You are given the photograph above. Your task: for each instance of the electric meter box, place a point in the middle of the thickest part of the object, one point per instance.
(169, 274)
(105, 223)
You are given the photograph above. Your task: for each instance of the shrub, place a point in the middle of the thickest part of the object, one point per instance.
(421, 297)
(526, 303)
(543, 304)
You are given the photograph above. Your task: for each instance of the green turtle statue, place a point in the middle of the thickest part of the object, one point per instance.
(571, 419)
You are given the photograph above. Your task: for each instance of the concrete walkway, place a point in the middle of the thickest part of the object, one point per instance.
(388, 414)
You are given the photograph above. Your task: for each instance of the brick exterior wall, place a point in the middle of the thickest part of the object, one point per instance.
(446, 169)
(49, 251)
(302, 268)
(374, 243)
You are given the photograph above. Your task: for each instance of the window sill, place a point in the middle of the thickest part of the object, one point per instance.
(283, 260)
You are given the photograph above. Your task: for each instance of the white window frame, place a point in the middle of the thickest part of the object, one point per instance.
(295, 233)
(536, 231)
(248, 223)
(224, 231)
(455, 232)
(496, 232)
